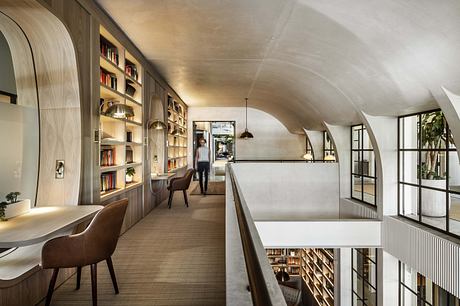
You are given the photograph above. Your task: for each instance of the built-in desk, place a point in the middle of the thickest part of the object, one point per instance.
(41, 223)
(162, 176)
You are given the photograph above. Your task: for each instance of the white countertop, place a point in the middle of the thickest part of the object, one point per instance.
(41, 223)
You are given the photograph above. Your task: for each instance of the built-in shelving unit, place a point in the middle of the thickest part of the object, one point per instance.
(177, 135)
(120, 142)
(318, 274)
(287, 260)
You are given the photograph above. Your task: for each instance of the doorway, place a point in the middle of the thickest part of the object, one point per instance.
(220, 136)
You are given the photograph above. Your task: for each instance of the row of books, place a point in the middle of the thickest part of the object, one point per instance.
(108, 181)
(131, 70)
(108, 51)
(108, 79)
(108, 156)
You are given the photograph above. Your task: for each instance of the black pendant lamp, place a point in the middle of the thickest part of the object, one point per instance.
(246, 134)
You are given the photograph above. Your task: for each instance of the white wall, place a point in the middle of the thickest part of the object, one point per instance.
(289, 191)
(271, 139)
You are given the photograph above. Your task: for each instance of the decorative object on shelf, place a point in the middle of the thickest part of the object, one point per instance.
(434, 137)
(130, 171)
(120, 111)
(13, 207)
(157, 125)
(129, 155)
(246, 134)
(130, 89)
(129, 136)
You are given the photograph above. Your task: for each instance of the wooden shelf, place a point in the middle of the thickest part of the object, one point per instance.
(315, 268)
(118, 128)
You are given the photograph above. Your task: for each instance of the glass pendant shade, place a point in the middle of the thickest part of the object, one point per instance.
(157, 125)
(120, 111)
(307, 156)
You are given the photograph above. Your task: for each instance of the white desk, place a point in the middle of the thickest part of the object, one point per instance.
(163, 176)
(42, 223)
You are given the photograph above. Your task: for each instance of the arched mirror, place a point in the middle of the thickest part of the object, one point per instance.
(19, 119)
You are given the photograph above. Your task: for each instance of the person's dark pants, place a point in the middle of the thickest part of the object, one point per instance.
(203, 167)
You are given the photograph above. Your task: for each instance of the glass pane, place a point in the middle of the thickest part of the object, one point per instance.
(408, 132)
(433, 127)
(356, 137)
(357, 300)
(408, 167)
(366, 140)
(356, 191)
(408, 298)
(356, 162)
(454, 172)
(368, 163)
(369, 190)
(357, 283)
(369, 270)
(454, 214)
(434, 208)
(370, 296)
(433, 167)
(408, 199)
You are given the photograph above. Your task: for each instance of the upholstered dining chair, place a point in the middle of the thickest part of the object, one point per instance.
(96, 243)
(180, 183)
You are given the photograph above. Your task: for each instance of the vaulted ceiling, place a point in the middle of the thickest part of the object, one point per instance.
(304, 61)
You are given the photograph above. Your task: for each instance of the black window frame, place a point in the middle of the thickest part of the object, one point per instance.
(330, 149)
(421, 301)
(419, 150)
(360, 150)
(355, 271)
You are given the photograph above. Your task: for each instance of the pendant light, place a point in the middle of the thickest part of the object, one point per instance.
(120, 111)
(157, 125)
(246, 134)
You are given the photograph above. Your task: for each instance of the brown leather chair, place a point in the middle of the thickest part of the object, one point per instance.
(180, 183)
(95, 244)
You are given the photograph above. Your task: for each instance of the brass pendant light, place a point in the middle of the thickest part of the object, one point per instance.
(246, 134)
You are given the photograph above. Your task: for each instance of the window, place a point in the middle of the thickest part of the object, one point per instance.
(429, 172)
(328, 148)
(418, 290)
(364, 277)
(309, 154)
(363, 177)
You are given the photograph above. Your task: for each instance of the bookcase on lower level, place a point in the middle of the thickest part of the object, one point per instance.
(318, 274)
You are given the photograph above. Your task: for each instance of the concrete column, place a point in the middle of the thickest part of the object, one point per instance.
(316, 141)
(341, 138)
(383, 133)
(450, 106)
(343, 283)
(388, 279)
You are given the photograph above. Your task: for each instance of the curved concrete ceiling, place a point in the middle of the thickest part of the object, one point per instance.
(304, 61)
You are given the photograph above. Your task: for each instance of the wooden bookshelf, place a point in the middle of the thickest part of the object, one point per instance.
(177, 135)
(317, 266)
(120, 144)
(288, 260)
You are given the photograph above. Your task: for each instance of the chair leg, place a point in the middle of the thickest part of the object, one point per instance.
(51, 286)
(112, 274)
(94, 283)
(185, 197)
(171, 193)
(78, 278)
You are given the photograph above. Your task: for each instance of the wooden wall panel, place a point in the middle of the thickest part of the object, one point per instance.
(59, 99)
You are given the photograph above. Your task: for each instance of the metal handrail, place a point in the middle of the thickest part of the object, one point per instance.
(257, 283)
(280, 161)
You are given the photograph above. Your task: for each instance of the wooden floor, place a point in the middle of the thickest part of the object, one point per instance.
(171, 257)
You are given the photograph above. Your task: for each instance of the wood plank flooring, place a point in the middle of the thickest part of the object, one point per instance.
(171, 257)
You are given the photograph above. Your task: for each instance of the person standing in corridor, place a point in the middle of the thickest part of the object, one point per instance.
(202, 164)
